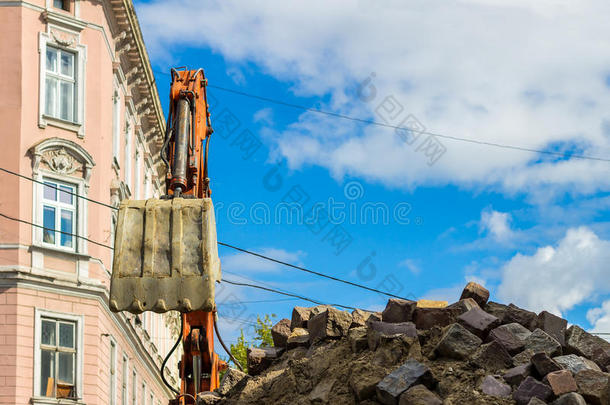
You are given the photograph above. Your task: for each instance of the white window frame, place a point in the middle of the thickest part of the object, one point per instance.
(138, 172)
(78, 320)
(113, 371)
(129, 140)
(134, 387)
(116, 126)
(58, 207)
(60, 78)
(80, 57)
(125, 380)
(81, 213)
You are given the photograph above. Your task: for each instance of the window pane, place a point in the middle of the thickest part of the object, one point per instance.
(48, 222)
(65, 197)
(51, 60)
(48, 332)
(66, 226)
(58, 4)
(65, 371)
(66, 97)
(66, 335)
(67, 64)
(50, 96)
(47, 374)
(50, 192)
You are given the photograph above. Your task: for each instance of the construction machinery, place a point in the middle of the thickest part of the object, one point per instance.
(166, 254)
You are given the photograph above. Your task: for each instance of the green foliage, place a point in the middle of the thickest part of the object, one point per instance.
(263, 331)
(239, 351)
(262, 338)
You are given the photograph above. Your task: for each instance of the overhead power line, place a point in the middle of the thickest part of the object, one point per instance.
(284, 293)
(54, 230)
(383, 124)
(220, 243)
(57, 189)
(310, 271)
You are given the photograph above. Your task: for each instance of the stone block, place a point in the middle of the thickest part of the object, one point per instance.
(512, 336)
(408, 375)
(457, 343)
(280, 332)
(477, 292)
(561, 382)
(540, 341)
(553, 325)
(478, 322)
(494, 387)
(398, 310)
(532, 388)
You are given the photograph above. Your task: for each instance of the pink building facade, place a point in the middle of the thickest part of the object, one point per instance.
(81, 116)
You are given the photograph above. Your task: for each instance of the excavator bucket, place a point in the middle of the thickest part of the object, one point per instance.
(165, 256)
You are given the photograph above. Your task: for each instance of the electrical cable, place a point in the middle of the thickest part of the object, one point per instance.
(311, 271)
(237, 363)
(284, 293)
(54, 230)
(169, 355)
(57, 189)
(382, 124)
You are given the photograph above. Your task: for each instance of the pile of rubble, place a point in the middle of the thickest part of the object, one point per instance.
(469, 352)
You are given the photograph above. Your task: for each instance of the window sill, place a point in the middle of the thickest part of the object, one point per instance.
(72, 253)
(55, 401)
(63, 124)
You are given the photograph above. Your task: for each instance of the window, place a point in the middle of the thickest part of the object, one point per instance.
(124, 380)
(112, 373)
(134, 388)
(138, 173)
(60, 84)
(116, 126)
(62, 4)
(128, 157)
(59, 214)
(57, 358)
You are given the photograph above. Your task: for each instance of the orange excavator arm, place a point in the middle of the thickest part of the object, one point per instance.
(185, 151)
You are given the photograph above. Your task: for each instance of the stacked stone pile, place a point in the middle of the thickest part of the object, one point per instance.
(470, 352)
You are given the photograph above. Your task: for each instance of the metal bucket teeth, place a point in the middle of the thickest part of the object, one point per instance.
(165, 256)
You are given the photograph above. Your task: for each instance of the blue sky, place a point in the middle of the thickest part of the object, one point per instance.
(531, 227)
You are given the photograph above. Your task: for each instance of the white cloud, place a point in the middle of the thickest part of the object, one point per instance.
(496, 224)
(600, 319)
(556, 278)
(521, 72)
(236, 75)
(264, 115)
(410, 265)
(246, 263)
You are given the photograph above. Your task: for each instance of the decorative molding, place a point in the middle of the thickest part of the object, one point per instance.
(65, 20)
(60, 161)
(62, 155)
